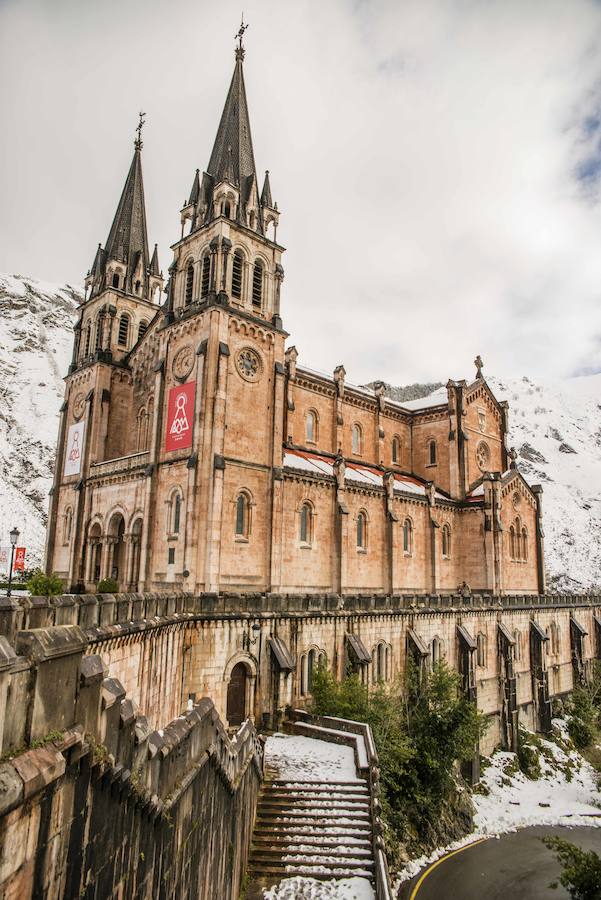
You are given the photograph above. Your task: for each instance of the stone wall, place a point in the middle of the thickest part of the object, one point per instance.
(94, 803)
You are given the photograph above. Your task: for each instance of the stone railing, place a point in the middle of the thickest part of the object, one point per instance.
(105, 616)
(131, 808)
(346, 731)
(119, 465)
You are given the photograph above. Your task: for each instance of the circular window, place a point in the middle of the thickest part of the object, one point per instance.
(516, 500)
(483, 456)
(79, 405)
(248, 364)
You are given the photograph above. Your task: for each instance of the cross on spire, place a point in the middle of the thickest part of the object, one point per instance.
(238, 37)
(138, 140)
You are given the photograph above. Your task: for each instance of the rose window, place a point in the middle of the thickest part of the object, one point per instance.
(249, 364)
(483, 456)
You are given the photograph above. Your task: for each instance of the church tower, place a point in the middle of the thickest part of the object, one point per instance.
(124, 285)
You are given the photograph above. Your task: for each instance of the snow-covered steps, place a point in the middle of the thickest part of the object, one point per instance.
(313, 820)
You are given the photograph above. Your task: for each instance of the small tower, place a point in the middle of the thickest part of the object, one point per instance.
(123, 287)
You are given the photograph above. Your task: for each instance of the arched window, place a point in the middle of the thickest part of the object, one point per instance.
(226, 208)
(436, 651)
(116, 280)
(142, 329)
(306, 524)
(88, 339)
(123, 334)
(99, 329)
(380, 662)
(481, 650)
(138, 285)
(205, 276)
(396, 450)
(311, 427)
(356, 438)
(189, 283)
(237, 269)
(432, 458)
(177, 512)
(257, 292)
(524, 544)
(512, 542)
(517, 636)
(142, 423)
(242, 515)
(446, 541)
(68, 525)
(407, 537)
(362, 531)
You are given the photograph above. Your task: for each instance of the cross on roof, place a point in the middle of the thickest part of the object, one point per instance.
(238, 36)
(138, 141)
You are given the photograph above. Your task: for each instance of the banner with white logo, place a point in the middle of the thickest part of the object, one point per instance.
(4, 560)
(180, 417)
(74, 454)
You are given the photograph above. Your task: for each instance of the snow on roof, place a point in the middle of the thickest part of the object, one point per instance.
(354, 471)
(437, 398)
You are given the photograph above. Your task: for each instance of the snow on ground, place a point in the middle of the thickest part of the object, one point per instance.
(294, 758)
(311, 889)
(566, 794)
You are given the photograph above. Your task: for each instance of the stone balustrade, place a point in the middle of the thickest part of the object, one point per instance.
(119, 465)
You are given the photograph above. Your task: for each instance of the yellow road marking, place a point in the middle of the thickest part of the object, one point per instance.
(431, 868)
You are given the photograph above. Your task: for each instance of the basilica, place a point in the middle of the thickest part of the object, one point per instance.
(196, 453)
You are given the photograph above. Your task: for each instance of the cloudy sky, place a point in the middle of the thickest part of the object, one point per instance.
(437, 163)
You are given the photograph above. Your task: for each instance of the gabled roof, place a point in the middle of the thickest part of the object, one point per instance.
(128, 237)
(358, 648)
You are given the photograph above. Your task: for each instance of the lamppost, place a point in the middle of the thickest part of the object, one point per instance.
(14, 537)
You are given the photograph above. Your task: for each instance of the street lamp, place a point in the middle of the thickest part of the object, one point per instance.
(247, 641)
(14, 537)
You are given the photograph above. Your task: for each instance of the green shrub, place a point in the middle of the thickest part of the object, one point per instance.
(107, 586)
(583, 716)
(527, 755)
(581, 875)
(420, 727)
(41, 585)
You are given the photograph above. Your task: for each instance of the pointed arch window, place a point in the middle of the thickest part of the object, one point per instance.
(446, 542)
(311, 427)
(177, 513)
(68, 525)
(396, 450)
(306, 524)
(123, 335)
(257, 292)
(357, 440)
(189, 283)
(237, 269)
(142, 329)
(226, 209)
(362, 530)
(88, 339)
(481, 650)
(524, 544)
(99, 328)
(512, 542)
(242, 515)
(436, 651)
(205, 276)
(407, 537)
(116, 280)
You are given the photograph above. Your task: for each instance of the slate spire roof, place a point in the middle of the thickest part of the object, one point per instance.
(232, 158)
(266, 199)
(128, 237)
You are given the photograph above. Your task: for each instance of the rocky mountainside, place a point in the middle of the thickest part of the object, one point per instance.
(36, 321)
(555, 427)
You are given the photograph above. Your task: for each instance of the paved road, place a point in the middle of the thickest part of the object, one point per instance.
(515, 866)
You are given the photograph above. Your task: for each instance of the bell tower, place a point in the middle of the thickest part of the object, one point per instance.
(228, 252)
(123, 287)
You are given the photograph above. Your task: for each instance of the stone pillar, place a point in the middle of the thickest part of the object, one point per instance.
(379, 389)
(274, 551)
(434, 526)
(190, 535)
(155, 442)
(290, 362)
(339, 559)
(107, 557)
(537, 490)
(489, 548)
(216, 502)
(55, 490)
(392, 550)
(339, 376)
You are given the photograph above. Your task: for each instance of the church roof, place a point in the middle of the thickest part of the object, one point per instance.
(232, 158)
(128, 237)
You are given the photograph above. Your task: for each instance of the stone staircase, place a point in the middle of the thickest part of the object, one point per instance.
(313, 829)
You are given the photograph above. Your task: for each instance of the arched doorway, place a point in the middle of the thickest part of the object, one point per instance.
(237, 691)
(116, 568)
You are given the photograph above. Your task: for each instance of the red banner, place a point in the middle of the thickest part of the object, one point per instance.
(19, 563)
(180, 417)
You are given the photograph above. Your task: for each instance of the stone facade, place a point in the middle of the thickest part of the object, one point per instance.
(207, 459)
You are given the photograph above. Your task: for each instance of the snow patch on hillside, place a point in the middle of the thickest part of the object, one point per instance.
(36, 337)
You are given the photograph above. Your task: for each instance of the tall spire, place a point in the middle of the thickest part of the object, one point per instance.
(232, 154)
(128, 237)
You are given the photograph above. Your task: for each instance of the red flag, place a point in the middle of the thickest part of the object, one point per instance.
(19, 564)
(180, 417)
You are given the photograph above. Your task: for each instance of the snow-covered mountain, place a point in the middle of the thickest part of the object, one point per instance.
(36, 338)
(555, 427)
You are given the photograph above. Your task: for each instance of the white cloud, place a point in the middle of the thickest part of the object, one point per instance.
(423, 154)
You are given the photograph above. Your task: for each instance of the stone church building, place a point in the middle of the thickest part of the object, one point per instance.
(197, 454)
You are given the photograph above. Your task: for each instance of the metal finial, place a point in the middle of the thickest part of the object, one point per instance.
(479, 366)
(238, 37)
(138, 141)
